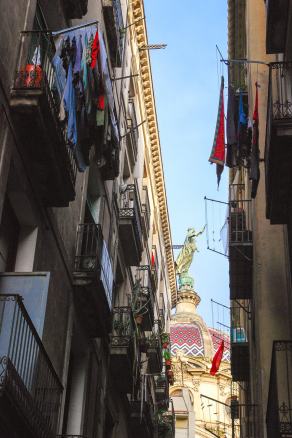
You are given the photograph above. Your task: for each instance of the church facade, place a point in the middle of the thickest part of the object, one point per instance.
(201, 401)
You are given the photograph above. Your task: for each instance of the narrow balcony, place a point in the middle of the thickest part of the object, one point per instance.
(154, 267)
(71, 436)
(279, 408)
(130, 225)
(162, 391)
(35, 105)
(166, 425)
(240, 243)
(93, 279)
(146, 212)
(122, 349)
(111, 169)
(154, 353)
(239, 343)
(114, 24)
(75, 8)
(143, 298)
(141, 419)
(132, 133)
(30, 390)
(277, 25)
(278, 152)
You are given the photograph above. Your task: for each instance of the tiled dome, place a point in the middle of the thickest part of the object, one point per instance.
(188, 339)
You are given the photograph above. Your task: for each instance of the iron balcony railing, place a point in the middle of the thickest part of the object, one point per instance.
(154, 266)
(75, 8)
(240, 316)
(130, 208)
(92, 257)
(280, 92)
(71, 436)
(113, 17)
(240, 216)
(35, 72)
(123, 326)
(279, 408)
(146, 212)
(27, 375)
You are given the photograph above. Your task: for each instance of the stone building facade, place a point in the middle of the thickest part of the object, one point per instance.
(259, 216)
(87, 275)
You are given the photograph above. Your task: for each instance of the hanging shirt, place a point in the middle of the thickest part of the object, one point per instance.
(70, 107)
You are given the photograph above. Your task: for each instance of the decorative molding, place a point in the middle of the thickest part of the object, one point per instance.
(137, 8)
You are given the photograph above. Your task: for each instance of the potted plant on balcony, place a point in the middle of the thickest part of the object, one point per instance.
(139, 308)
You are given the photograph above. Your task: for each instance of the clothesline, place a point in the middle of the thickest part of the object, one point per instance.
(62, 31)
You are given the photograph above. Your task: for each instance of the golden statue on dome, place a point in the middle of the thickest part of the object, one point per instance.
(185, 258)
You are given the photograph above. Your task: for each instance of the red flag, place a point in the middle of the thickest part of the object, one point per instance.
(218, 150)
(217, 359)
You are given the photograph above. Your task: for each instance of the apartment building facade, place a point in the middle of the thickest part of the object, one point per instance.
(259, 213)
(87, 276)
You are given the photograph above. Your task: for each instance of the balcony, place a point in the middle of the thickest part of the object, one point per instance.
(154, 353)
(146, 212)
(279, 408)
(132, 134)
(277, 25)
(75, 8)
(35, 107)
(161, 391)
(240, 244)
(122, 349)
(141, 419)
(30, 390)
(239, 343)
(154, 267)
(278, 152)
(143, 297)
(166, 425)
(130, 226)
(93, 279)
(111, 169)
(113, 18)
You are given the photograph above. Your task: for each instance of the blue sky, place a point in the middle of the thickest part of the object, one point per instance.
(186, 79)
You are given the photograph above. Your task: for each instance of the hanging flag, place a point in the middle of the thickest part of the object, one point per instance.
(255, 152)
(218, 150)
(231, 131)
(217, 359)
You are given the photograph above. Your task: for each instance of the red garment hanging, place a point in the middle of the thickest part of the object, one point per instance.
(95, 51)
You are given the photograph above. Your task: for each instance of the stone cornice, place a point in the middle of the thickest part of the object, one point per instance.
(137, 7)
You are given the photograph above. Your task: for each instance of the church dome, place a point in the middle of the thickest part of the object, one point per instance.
(189, 339)
(189, 334)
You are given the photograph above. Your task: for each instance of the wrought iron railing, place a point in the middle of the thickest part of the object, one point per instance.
(26, 372)
(130, 207)
(35, 71)
(240, 316)
(154, 265)
(240, 216)
(123, 326)
(132, 126)
(146, 211)
(279, 408)
(75, 8)
(89, 248)
(119, 25)
(92, 257)
(280, 91)
(71, 436)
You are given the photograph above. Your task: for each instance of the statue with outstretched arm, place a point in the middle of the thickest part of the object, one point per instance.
(185, 257)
